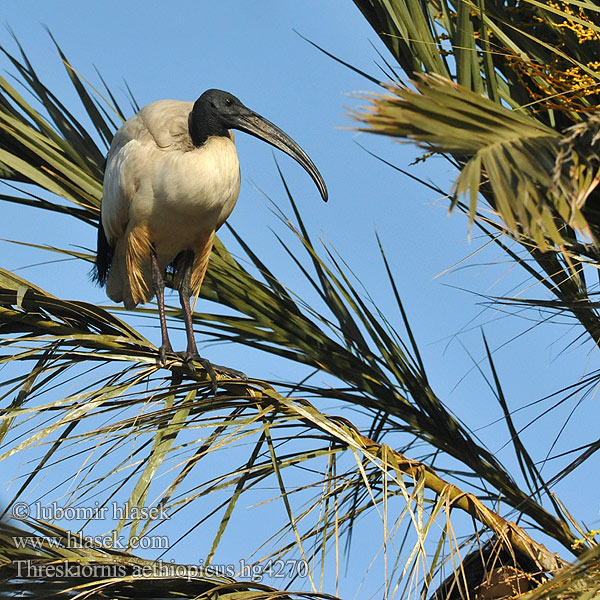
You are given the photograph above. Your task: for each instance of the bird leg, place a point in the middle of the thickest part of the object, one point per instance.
(159, 289)
(184, 296)
(185, 293)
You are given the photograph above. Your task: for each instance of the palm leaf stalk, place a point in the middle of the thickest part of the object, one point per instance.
(394, 460)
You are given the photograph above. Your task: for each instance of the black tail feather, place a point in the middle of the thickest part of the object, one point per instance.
(104, 256)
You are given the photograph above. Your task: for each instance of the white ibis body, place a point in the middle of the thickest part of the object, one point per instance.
(172, 178)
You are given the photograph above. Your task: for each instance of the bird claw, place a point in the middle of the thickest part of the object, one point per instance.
(210, 368)
(188, 359)
(162, 353)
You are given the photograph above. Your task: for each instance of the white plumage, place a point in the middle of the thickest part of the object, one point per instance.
(156, 180)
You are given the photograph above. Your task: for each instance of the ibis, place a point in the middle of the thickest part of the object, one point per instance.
(172, 178)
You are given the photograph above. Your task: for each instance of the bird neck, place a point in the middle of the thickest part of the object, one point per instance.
(203, 123)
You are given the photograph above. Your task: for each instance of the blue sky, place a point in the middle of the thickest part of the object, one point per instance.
(250, 48)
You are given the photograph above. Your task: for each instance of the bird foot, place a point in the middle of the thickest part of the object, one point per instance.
(188, 358)
(162, 353)
(211, 369)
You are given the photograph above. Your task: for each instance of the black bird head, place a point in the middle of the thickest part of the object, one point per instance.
(215, 112)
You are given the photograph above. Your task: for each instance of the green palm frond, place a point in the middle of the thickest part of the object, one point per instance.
(255, 411)
(536, 54)
(57, 155)
(536, 63)
(535, 58)
(510, 153)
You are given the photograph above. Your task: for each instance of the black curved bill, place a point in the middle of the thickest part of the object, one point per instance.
(252, 123)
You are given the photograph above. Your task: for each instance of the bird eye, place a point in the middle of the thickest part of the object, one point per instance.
(228, 101)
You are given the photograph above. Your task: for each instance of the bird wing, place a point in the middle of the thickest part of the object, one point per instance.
(160, 126)
(167, 123)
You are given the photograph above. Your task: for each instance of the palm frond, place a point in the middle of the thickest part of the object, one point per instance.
(509, 152)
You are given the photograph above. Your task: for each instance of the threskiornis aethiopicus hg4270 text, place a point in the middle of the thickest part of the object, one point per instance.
(172, 178)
